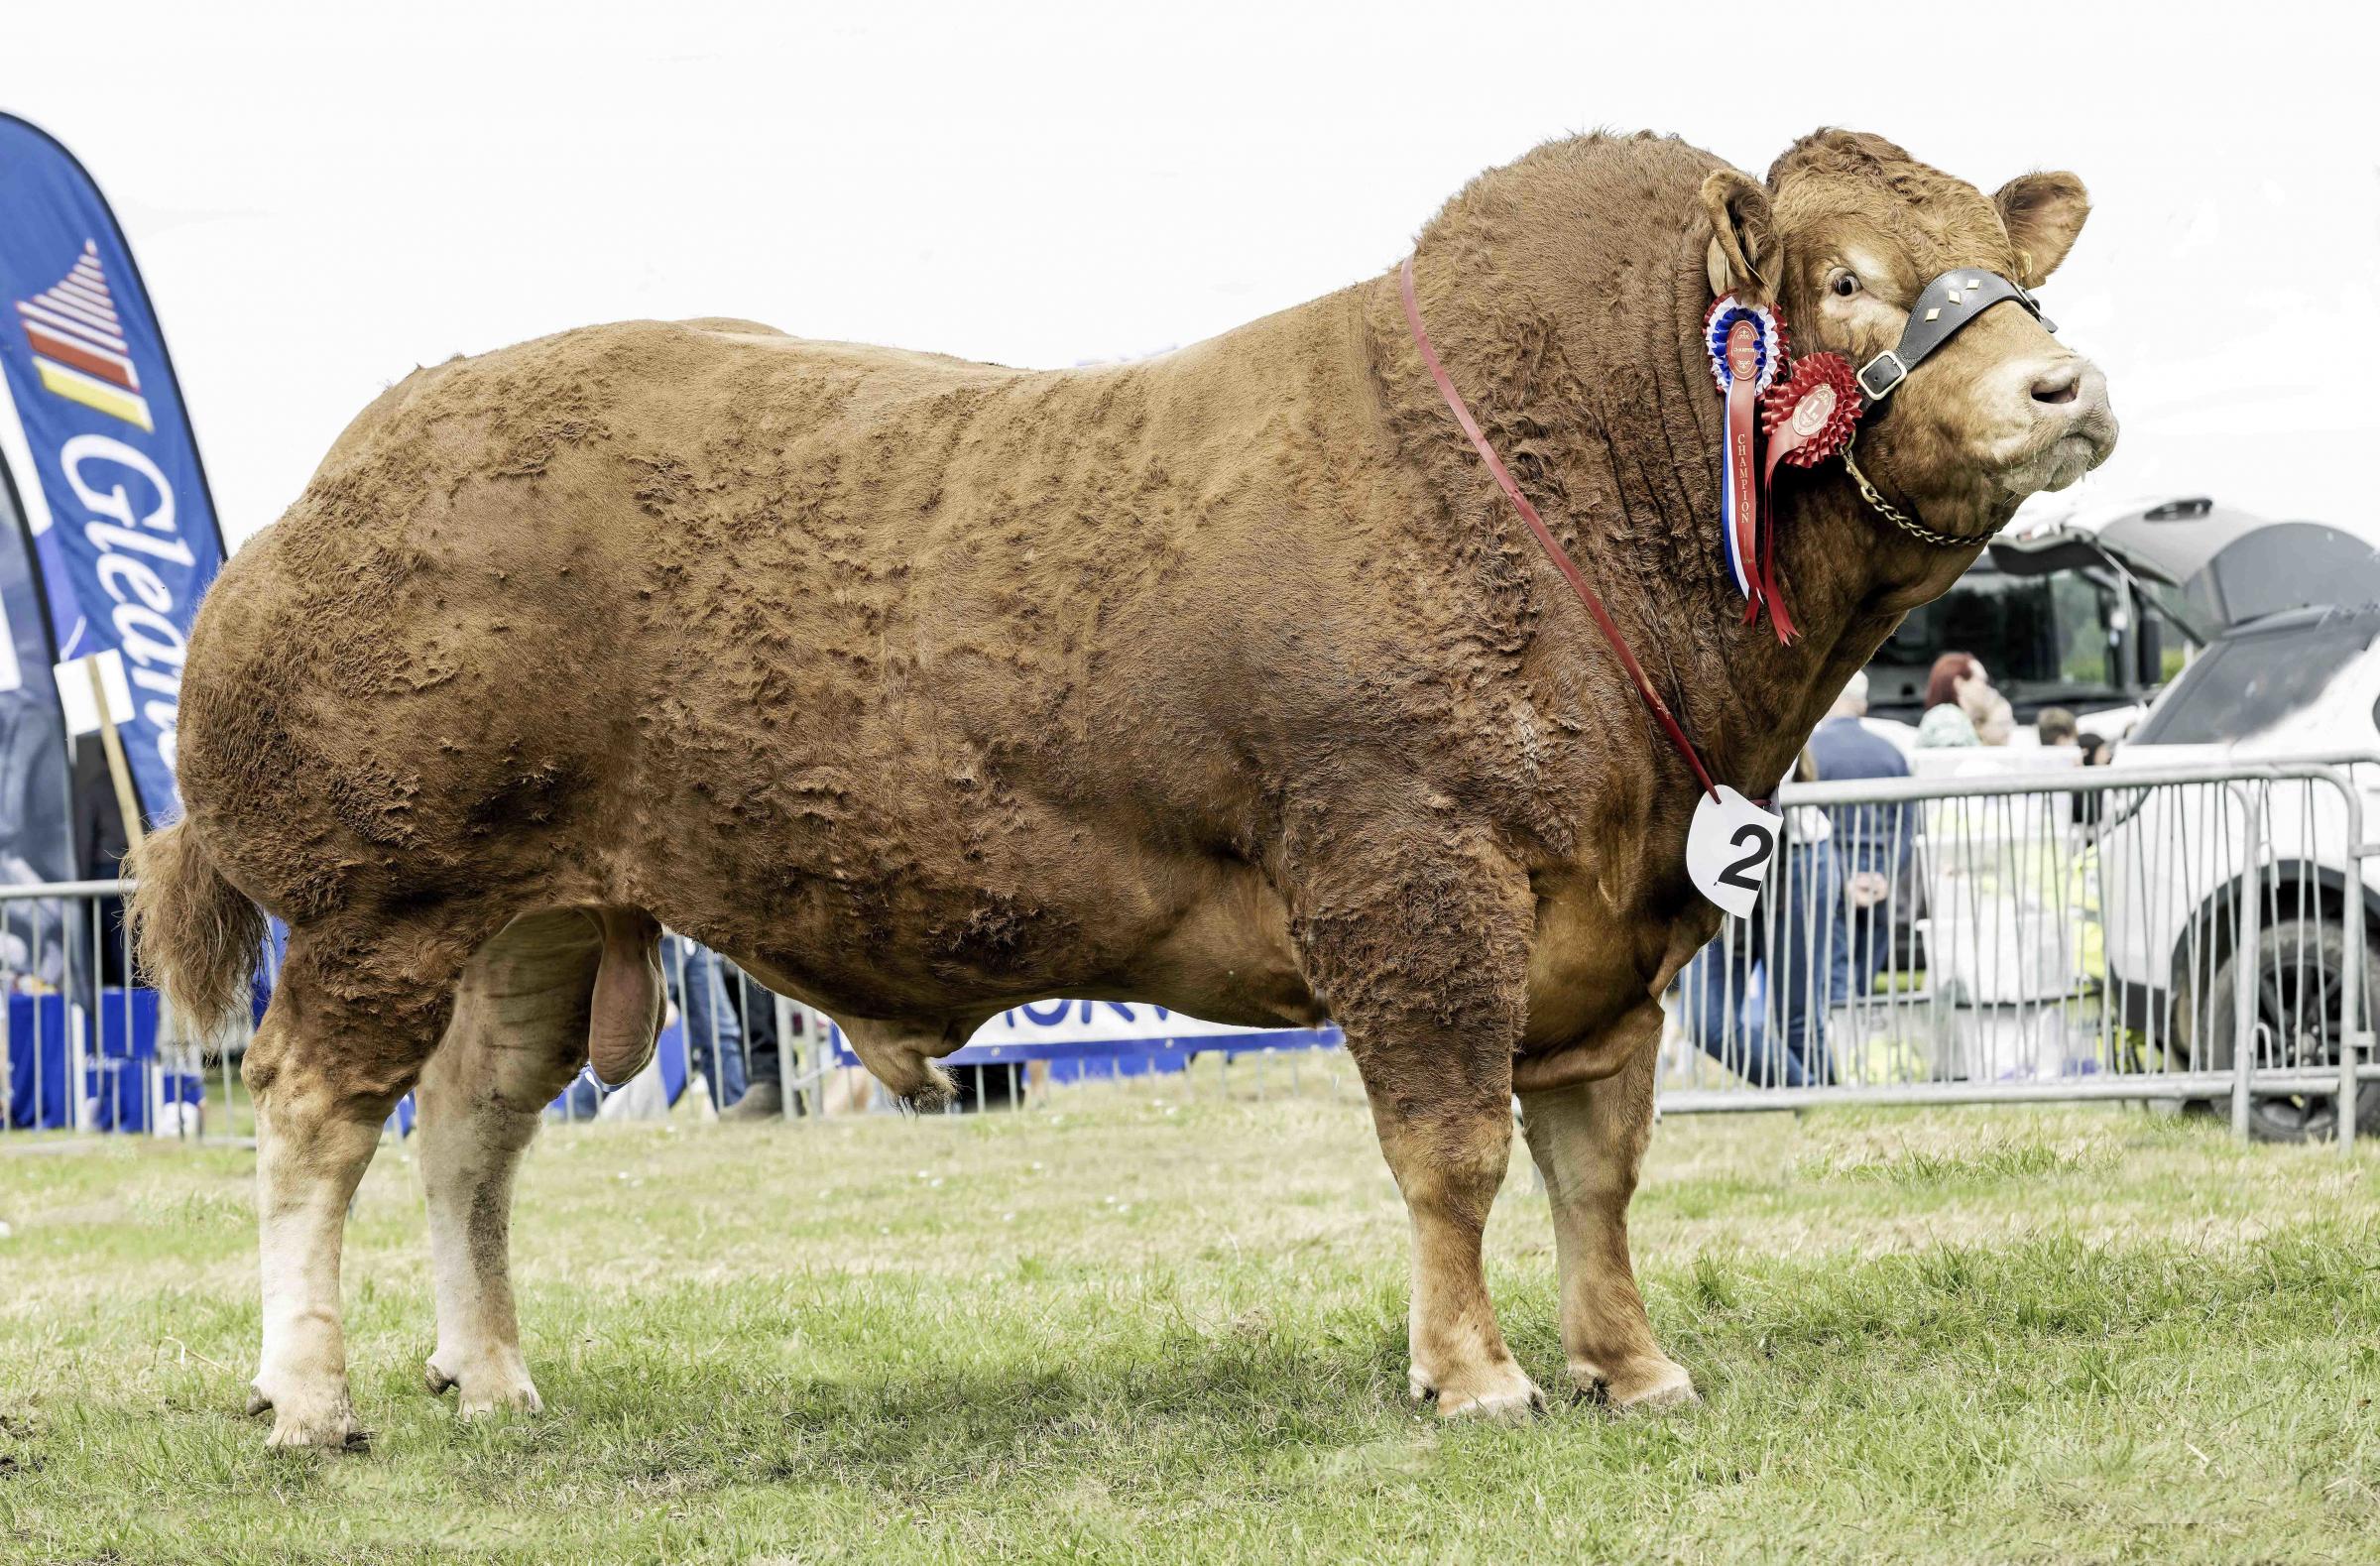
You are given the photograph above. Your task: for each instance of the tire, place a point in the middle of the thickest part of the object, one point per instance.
(2298, 1012)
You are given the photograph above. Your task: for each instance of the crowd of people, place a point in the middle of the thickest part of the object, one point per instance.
(1963, 708)
(1754, 1000)
(731, 1031)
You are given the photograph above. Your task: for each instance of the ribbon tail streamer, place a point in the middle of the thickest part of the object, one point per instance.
(1773, 591)
(1742, 498)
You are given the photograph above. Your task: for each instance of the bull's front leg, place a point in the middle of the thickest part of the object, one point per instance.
(1424, 962)
(1588, 1141)
(1449, 1152)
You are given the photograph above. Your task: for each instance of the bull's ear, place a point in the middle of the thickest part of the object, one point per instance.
(2043, 212)
(1744, 259)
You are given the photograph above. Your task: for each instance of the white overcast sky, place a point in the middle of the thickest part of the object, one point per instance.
(323, 196)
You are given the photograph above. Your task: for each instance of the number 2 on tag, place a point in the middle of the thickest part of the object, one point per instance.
(1729, 847)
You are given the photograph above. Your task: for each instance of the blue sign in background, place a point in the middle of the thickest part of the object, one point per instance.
(131, 539)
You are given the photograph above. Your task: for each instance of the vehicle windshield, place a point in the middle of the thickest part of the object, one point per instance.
(2248, 683)
(2045, 640)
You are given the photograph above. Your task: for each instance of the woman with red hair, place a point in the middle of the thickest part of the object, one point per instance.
(1956, 690)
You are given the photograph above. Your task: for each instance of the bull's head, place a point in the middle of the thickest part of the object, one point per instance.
(1847, 232)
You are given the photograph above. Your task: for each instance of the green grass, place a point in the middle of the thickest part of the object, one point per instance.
(1125, 1330)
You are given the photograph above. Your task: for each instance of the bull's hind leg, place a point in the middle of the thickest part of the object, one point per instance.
(518, 1036)
(1588, 1141)
(1423, 958)
(356, 1011)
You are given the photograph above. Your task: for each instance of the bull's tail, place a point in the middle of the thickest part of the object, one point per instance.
(193, 933)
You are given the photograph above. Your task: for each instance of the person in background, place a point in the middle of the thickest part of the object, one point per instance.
(1958, 691)
(2097, 752)
(1872, 842)
(1750, 1000)
(99, 846)
(714, 1034)
(1996, 723)
(756, 1007)
(2056, 727)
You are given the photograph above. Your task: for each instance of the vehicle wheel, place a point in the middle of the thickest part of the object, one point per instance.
(2299, 1025)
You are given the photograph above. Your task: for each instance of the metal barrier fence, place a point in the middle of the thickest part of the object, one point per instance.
(2066, 934)
(82, 1048)
(2069, 934)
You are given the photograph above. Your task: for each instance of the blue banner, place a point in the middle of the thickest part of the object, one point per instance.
(123, 528)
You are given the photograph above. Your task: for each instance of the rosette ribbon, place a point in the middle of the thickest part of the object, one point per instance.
(1747, 353)
(1810, 414)
(1807, 416)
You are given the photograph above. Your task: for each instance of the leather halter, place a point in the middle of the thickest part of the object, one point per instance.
(1944, 306)
(1897, 517)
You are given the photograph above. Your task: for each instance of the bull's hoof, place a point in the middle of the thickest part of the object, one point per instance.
(314, 1421)
(1648, 1385)
(1500, 1391)
(484, 1389)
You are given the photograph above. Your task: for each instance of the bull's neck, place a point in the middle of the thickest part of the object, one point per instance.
(1748, 701)
(1625, 467)
(1850, 575)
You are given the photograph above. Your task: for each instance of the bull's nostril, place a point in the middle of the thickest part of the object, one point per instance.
(2059, 385)
(2047, 394)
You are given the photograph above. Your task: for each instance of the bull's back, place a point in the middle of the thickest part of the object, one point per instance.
(754, 630)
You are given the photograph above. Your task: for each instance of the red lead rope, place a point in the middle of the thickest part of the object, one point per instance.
(1562, 561)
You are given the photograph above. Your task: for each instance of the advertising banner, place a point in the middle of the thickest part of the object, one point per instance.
(1061, 1031)
(123, 531)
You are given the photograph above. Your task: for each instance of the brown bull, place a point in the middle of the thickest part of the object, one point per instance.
(1226, 680)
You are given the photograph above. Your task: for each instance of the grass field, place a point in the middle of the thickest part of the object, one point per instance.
(1126, 1329)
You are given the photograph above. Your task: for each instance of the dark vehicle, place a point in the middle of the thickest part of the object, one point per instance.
(2098, 613)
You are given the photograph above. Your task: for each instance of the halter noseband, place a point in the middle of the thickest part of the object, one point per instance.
(1944, 308)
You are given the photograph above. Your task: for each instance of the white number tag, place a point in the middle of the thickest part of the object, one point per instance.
(1729, 847)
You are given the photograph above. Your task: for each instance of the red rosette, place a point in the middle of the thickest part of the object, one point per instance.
(1809, 415)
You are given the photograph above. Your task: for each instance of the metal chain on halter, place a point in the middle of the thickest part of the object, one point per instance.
(1893, 514)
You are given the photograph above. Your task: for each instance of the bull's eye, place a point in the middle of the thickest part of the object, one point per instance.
(1844, 284)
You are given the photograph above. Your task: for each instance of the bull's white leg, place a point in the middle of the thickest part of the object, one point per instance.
(309, 1158)
(469, 1153)
(355, 1013)
(518, 1036)
(1589, 1141)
